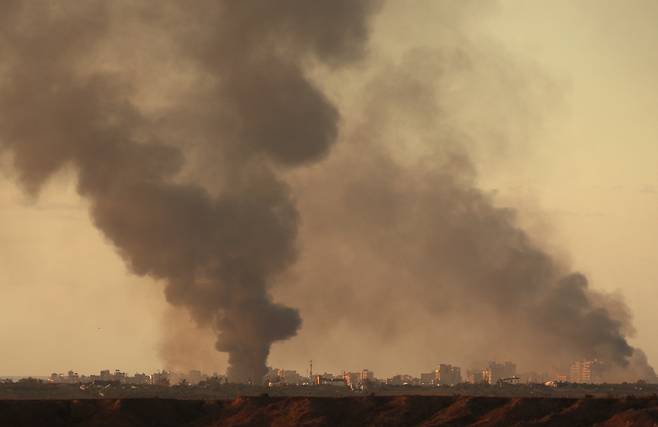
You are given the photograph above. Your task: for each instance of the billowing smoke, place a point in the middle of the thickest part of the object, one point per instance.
(205, 190)
(217, 254)
(403, 250)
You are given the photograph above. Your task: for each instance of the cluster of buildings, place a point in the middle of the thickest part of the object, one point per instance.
(493, 374)
(587, 372)
(106, 376)
(283, 376)
(584, 371)
(359, 379)
(443, 375)
(353, 380)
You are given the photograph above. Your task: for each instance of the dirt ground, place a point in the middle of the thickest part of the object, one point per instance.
(351, 411)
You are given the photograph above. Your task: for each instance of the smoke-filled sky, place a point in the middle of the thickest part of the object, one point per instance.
(452, 110)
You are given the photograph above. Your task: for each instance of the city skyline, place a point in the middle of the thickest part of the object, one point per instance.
(492, 372)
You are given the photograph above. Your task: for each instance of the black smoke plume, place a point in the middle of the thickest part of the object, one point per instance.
(217, 254)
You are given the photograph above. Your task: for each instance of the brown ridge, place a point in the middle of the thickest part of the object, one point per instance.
(353, 411)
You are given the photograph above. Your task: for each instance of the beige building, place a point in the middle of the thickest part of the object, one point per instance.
(447, 375)
(427, 378)
(498, 371)
(587, 371)
(367, 376)
(477, 376)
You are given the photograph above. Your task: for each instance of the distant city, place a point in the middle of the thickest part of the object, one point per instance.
(495, 373)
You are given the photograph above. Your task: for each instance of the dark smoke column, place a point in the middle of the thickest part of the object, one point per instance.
(271, 115)
(219, 253)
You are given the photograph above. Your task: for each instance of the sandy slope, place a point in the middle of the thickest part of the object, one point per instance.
(355, 411)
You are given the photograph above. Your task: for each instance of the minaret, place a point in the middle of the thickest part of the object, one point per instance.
(310, 371)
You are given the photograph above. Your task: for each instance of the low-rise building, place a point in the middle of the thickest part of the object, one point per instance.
(403, 379)
(587, 371)
(498, 371)
(427, 378)
(367, 376)
(477, 376)
(447, 375)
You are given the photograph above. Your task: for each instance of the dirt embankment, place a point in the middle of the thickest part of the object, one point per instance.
(354, 411)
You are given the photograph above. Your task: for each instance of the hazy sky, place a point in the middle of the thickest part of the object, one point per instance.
(586, 178)
(595, 169)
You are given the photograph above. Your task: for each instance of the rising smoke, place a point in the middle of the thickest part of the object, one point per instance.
(217, 255)
(203, 192)
(405, 239)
